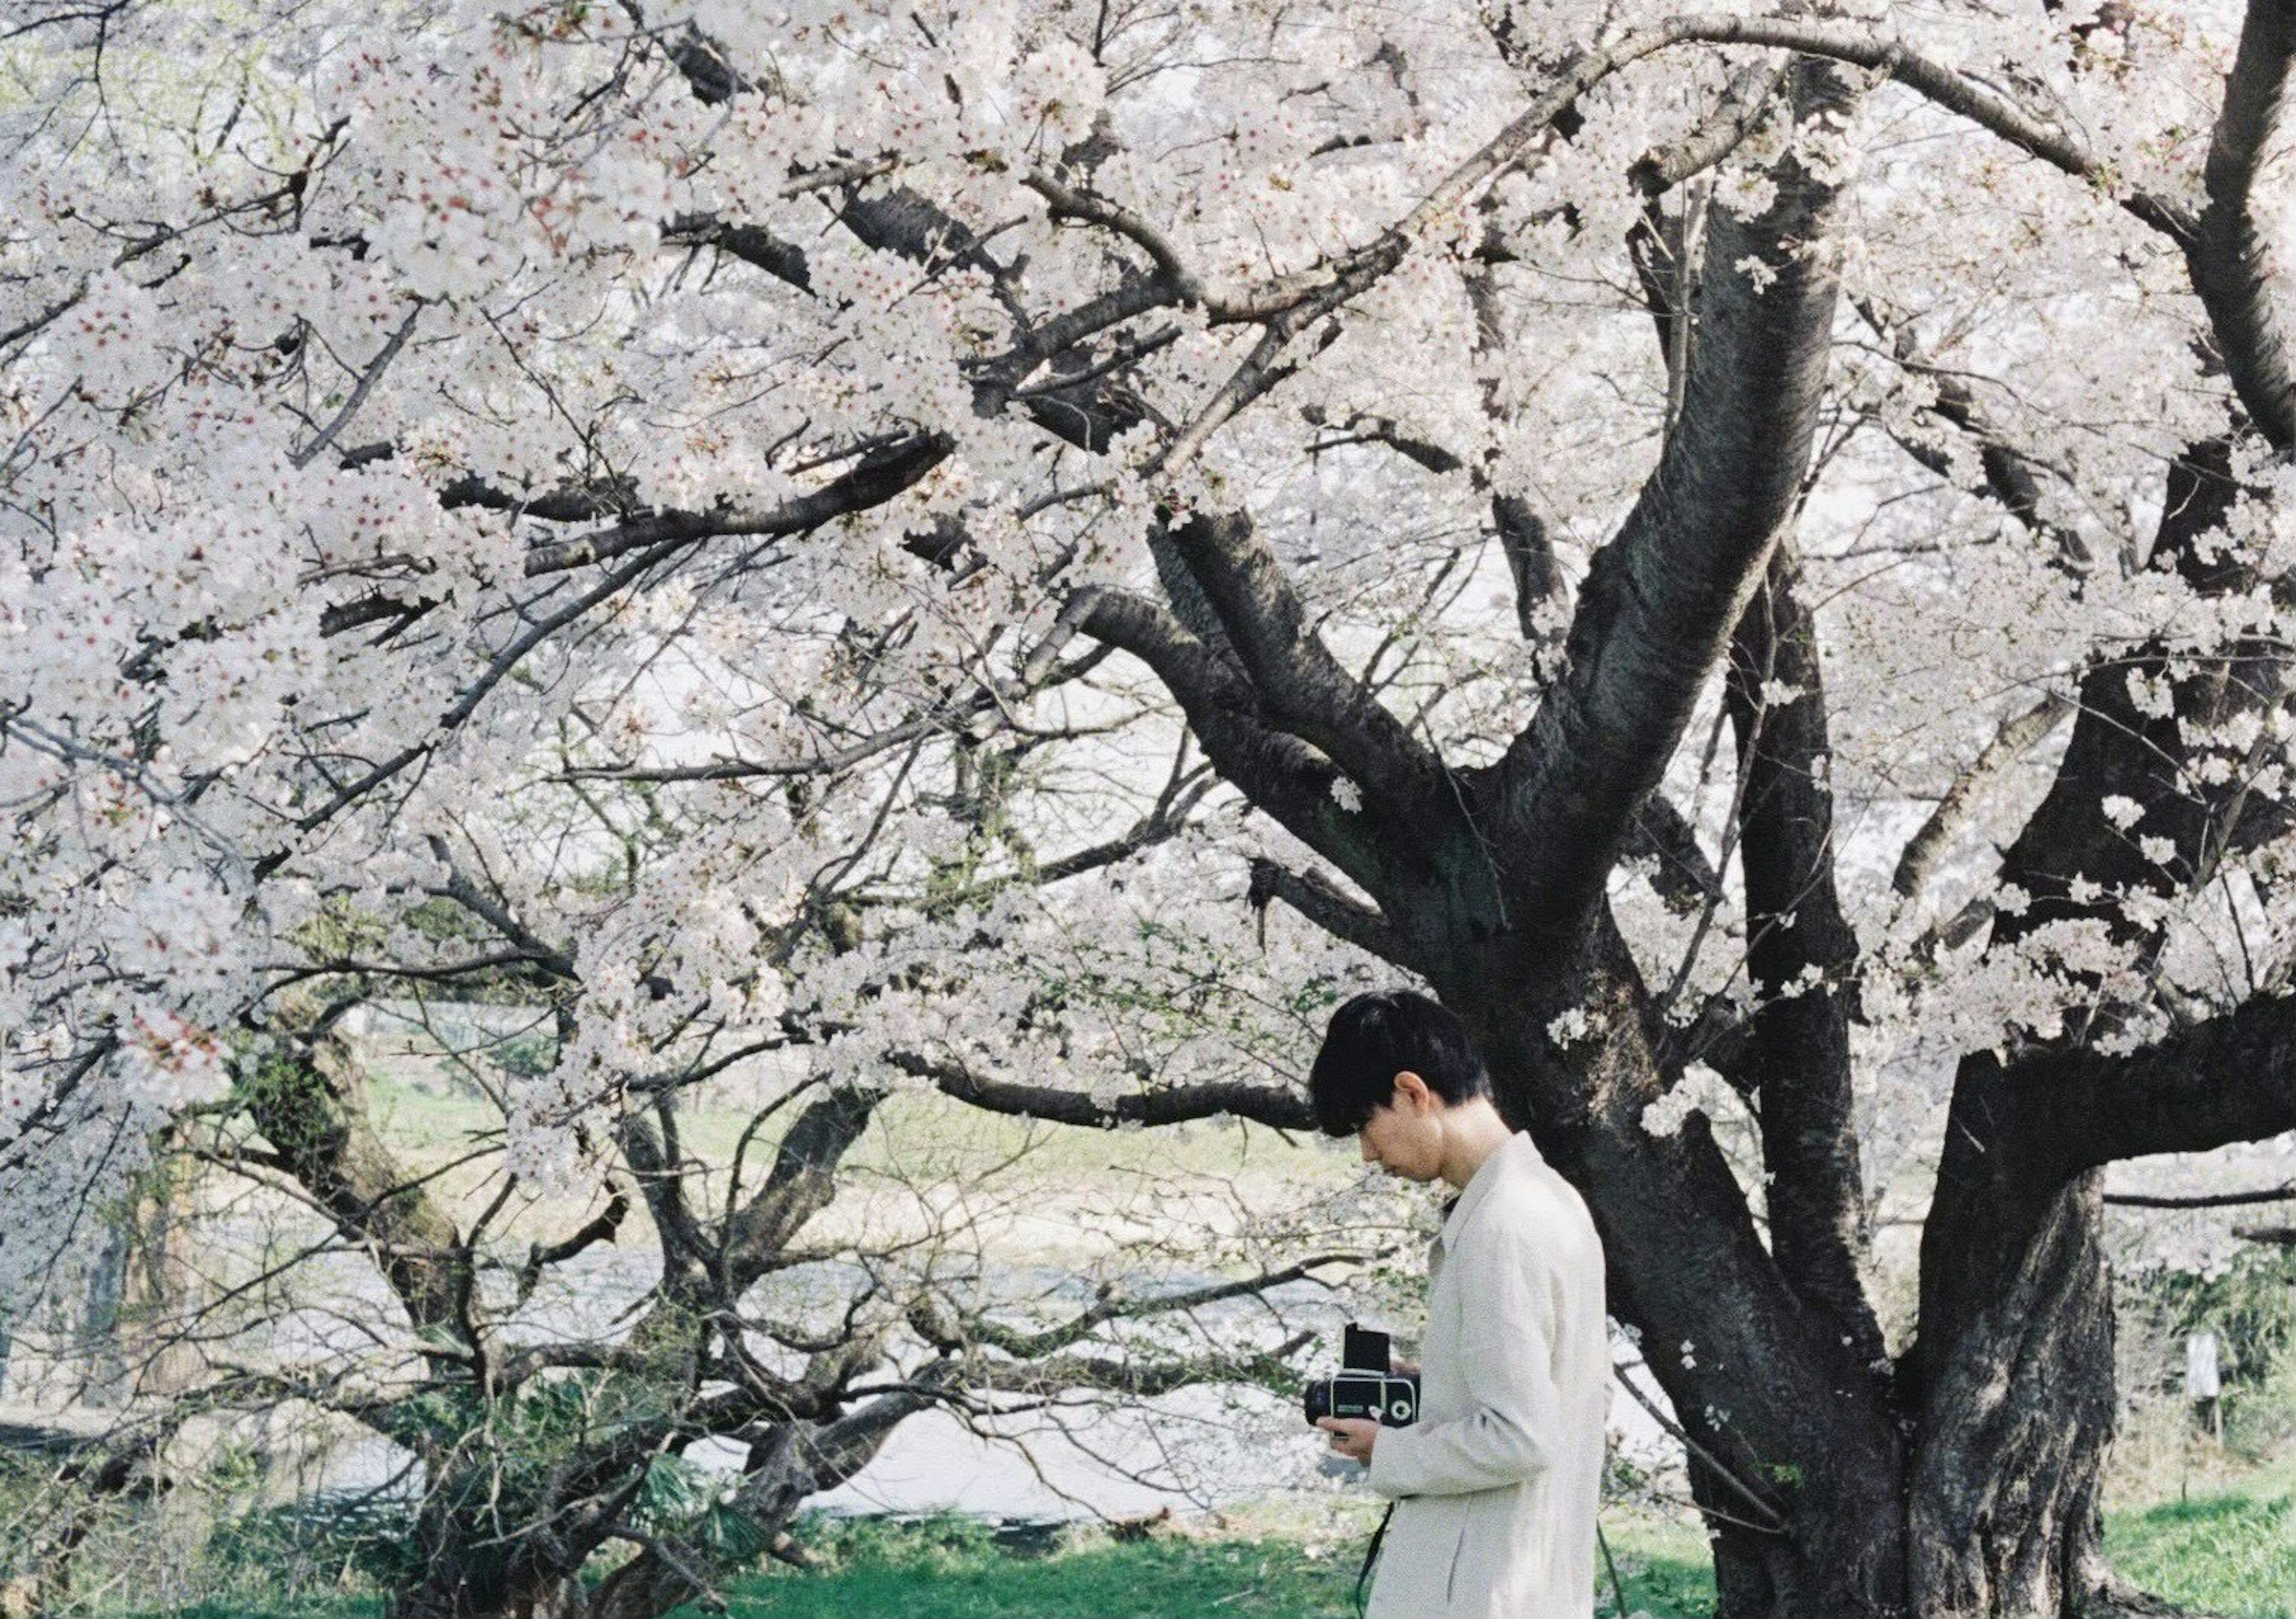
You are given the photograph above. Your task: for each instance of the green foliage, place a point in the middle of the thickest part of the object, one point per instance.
(339, 929)
(731, 1537)
(525, 1056)
(2250, 1305)
(1663, 1564)
(835, 1541)
(277, 1086)
(674, 1491)
(344, 1543)
(523, 1440)
(1660, 1587)
(681, 1497)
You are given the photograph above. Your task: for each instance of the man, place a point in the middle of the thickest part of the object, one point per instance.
(1495, 1487)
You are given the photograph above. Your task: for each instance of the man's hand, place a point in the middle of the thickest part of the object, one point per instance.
(1351, 1437)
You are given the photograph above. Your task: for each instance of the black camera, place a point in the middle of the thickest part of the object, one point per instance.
(1365, 1385)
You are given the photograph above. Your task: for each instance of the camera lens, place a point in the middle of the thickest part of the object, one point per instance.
(1319, 1399)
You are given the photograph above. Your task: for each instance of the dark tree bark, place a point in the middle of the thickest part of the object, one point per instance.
(1802, 956)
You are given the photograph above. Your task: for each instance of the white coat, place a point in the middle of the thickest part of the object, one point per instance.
(1497, 1486)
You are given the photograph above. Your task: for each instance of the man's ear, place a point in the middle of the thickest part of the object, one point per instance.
(1410, 1093)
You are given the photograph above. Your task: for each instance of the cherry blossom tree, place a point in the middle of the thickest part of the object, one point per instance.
(539, 1413)
(1031, 500)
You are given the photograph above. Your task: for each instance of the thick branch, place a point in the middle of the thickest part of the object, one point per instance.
(1662, 597)
(491, 909)
(1315, 897)
(310, 1105)
(2278, 1194)
(876, 478)
(802, 1183)
(1802, 955)
(948, 1334)
(1744, 102)
(1530, 549)
(2010, 476)
(1173, 1105)
(1277, 771)
(787, 1464)
(1957, 92)
(2018, 736)
(1683, 875)
(2119, 750)
(2010, 1181)
(2230, 1079)
(2229, 254)
(571, 502)
(601, 1228)
(753, 244)
(1301, 686)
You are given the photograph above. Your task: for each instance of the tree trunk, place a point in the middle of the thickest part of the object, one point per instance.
(2013, 1374)
(2013, 1378)
(1982, 1496)
(466, 1565)
(789, 1464)
(1802, 1468)
(461, 1586)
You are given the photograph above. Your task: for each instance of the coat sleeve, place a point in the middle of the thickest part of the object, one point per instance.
(1505, 1355)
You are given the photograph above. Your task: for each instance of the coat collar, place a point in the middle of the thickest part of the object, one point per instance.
(1478, 1190)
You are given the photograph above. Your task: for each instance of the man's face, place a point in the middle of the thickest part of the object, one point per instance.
(1403, 1135)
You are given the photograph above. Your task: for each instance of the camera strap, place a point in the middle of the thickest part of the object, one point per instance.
(1371, 1557)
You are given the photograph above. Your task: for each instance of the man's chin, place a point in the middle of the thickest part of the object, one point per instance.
(1418, 1177)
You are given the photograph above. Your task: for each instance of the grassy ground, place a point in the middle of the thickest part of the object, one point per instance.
(2229, 1554)
(951, 1570)
(2225, 1551)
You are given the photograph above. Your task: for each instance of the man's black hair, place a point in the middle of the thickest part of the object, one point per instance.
(1374, 1037)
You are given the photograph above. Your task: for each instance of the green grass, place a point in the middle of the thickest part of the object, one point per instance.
(1265, 1566)
(919, 1575)
(329, 1606)
(2233, 1554)
(1664, 1568)
(949, 1569)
